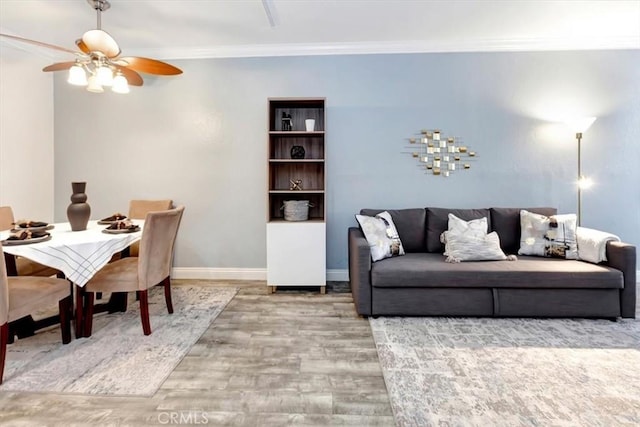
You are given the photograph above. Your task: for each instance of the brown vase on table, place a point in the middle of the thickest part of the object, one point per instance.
(79, 210)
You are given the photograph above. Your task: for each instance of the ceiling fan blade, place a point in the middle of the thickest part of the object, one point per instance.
(58, 66)
(133, 78)
(150, 66)
(37, 43)
(101, 41)
(83, 47)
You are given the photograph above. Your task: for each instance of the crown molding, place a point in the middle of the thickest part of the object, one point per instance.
(416, 46)
(360, 48)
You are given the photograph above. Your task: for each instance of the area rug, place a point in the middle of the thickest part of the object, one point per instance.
(510, 372)
(118, 359)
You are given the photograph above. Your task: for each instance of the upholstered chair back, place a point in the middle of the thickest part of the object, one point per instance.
(138, 209)
(156, 246)
(6, 218)
(4, 290)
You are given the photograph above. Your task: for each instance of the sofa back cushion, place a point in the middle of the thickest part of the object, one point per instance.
(410, 223)
(438, 221)
(506, 222)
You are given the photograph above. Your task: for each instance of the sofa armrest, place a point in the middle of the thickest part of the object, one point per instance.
(622, 256)
(360, 271)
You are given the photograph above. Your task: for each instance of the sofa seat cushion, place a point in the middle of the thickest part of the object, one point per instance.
(427, 270)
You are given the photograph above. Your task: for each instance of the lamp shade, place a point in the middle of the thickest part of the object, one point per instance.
(77, 76)
(120, 84)
(580, 124)
(94, 86)
(105, 76)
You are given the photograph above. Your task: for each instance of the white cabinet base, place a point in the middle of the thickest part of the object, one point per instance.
(296, 254)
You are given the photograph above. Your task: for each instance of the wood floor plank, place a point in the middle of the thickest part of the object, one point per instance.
(294, 357)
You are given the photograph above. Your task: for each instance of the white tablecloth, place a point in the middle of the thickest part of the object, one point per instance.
(78, 254)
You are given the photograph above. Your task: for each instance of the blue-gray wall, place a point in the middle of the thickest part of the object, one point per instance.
(200, 139)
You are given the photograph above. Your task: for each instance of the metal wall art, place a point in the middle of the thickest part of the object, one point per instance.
(441, 155)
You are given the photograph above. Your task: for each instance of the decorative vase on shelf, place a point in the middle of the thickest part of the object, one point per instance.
(310, 124)
(297, 152)
(79, 210)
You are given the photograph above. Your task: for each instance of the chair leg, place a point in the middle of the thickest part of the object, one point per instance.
(144, 311)
(167, 294)
(66, 311)
(88, 313)
(4, 336)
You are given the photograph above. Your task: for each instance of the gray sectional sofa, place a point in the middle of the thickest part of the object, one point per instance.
(421, 283)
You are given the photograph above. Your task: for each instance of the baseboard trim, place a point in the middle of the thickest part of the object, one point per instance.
(219, 273)
(241, 274)
(338, 275)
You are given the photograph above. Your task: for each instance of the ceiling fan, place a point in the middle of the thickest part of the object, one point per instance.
(98, 62)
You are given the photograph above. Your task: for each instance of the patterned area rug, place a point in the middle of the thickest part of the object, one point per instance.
(510, 372)
(117, 359)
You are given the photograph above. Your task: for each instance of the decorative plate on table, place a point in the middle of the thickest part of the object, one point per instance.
(42, 228)
(23, 225)
(15, 242)
(121, 230)
(111, 219)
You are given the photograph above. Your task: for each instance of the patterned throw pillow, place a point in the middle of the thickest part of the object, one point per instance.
(381, 234)
(548, 236)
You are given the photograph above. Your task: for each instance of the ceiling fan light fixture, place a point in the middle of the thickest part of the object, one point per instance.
(77, 76)
(120, 84)
(104, 75)
(94, 85)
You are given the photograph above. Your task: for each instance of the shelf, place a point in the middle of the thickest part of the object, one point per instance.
(296, 191)
(296, 133)
(296, 160)
(281, 220)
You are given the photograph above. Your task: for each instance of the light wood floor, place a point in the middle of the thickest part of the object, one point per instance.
(289, 358)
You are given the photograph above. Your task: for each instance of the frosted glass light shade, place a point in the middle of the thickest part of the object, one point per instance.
(105, 76)
(580, 124)
(94, 86)
(120, 84)
(77, 76)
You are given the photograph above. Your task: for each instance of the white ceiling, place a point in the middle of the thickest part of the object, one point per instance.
(172, 29)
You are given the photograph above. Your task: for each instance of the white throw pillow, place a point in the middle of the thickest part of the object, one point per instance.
(473, 247)
(548, 236)
(474, 228)
(381, 234)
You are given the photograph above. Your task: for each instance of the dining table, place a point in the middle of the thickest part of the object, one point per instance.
(77, 254)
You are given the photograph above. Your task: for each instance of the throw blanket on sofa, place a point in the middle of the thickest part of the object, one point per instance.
(592, 244)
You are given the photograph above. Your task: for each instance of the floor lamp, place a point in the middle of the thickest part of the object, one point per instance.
(579, 126)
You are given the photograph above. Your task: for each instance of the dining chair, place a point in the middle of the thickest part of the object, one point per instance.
(138, 209)
(152, 267)
(20, 266)
(20, 296)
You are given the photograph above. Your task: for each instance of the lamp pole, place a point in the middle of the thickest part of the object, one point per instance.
(579, 138)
